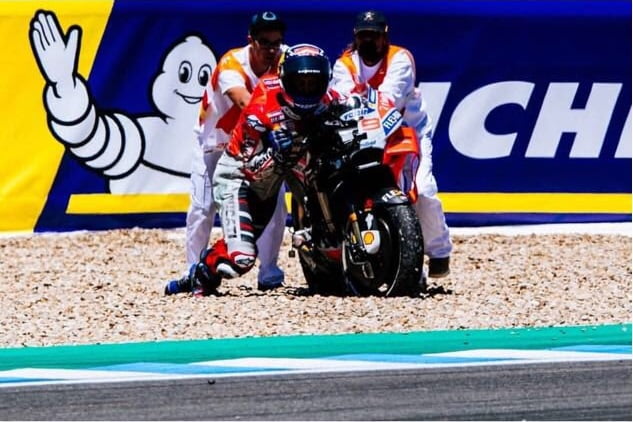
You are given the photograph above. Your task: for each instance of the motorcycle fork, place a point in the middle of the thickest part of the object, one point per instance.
(324, 203)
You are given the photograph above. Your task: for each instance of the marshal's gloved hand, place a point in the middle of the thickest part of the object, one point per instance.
(355, 101)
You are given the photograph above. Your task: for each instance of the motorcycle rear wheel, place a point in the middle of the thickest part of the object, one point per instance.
(397, 266)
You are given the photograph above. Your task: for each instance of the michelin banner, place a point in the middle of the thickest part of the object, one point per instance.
(531, 103)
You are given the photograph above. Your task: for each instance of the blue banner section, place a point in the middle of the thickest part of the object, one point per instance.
(513, 219)
(526, 96)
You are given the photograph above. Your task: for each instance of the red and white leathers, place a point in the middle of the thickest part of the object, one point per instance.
(248, 176)
(394, 76)
(218, 117)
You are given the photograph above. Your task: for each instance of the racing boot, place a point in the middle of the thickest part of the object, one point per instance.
(214, 265)
(204, 281)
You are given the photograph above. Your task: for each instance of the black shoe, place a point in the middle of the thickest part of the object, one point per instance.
(439, 267)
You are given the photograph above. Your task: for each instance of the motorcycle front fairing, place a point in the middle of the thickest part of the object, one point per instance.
(374, 152)
(351, 203)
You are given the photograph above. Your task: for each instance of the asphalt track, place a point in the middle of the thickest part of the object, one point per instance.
(556, 373)
(549, 391)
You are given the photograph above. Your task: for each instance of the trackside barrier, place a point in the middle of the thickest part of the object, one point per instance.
(531, 103)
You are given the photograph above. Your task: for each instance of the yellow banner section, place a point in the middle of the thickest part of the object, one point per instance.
(60, 7)
(564, 203)
(98, 203)
(555, 203)
(30, 155)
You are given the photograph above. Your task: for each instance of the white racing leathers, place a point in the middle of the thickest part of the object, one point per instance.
(201, 216)
(217, 118)
(246, 208)
(394, 75)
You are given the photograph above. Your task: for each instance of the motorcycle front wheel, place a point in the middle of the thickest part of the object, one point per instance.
(396, 267)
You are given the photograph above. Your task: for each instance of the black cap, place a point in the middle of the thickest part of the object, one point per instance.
(266, 21)
(371, 20)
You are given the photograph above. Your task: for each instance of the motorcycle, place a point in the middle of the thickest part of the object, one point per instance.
(354, 228)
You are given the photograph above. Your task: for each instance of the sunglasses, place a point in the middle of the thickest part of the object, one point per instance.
(267, 44)
(373, 35)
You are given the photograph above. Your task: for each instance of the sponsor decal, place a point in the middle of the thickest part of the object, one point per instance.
(276, 116)
(307, 50)
(391, 121)
(271, 83)
(254, 122)
(260, 160)
(354, 114)
(367, 143)
(394, 193)
(244, 261)
(308, 71)
(371, 98)
(230, 230)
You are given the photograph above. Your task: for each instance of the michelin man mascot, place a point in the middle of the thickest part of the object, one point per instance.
(151, 153)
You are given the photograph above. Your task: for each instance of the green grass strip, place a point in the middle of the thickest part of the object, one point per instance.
(311, 346)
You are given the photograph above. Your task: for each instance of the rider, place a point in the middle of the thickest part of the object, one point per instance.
(372, 60)
(227, 93)
(269, 140)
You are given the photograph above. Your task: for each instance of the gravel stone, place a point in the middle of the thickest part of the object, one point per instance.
(107, 287)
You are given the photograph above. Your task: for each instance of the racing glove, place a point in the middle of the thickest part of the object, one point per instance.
(280, 140)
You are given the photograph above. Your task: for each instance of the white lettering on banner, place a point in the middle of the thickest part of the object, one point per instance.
(467, 130)
(468, 134)
(590, 123)
(434, 94)
(624, 147)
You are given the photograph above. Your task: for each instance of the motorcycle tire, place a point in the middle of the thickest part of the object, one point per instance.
(397, 266)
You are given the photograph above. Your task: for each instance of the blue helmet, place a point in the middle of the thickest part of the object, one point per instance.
(305, 74)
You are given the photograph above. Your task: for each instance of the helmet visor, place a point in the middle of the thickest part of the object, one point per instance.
(306, 85)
